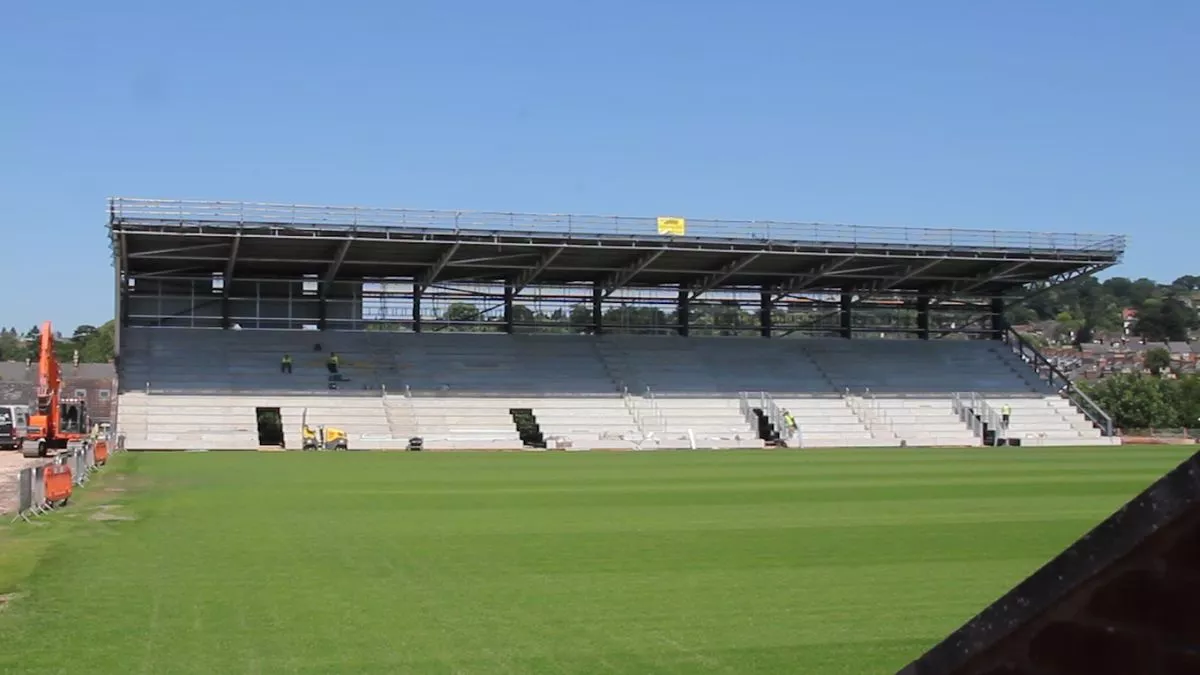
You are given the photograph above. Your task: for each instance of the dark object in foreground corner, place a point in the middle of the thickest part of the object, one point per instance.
(1123, 600)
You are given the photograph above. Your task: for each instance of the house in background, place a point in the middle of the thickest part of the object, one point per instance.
(1128, 318)
(94, 383)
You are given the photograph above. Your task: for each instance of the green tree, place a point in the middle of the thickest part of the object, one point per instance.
(1187, 283)
(579, 316)
(1165, 320)
(1187, 401)
(1136, 401)
(1157, 360)
(11, 347)
(633, 319)
(98, 345)
(522, 314)
(461, 312)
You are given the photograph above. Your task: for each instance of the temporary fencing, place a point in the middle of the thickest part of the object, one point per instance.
(44, 488)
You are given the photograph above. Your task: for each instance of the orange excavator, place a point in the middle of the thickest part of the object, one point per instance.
(54, 422)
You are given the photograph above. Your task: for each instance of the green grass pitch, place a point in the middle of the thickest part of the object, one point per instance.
(807, 562)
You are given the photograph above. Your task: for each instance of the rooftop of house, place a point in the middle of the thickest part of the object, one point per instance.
(17, 371)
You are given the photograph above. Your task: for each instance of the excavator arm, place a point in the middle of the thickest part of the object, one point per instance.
(49, 374)
(45, 422)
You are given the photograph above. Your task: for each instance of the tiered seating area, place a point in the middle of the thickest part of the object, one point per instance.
(1047, 420)
(187, 422)
(458, 390)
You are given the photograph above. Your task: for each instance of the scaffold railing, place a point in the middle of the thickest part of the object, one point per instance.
(183, 213)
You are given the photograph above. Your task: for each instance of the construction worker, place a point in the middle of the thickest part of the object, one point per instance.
(285, 364)
(1005, 415)
(332, 363)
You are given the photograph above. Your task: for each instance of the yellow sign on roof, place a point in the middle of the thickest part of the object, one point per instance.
(672, 226)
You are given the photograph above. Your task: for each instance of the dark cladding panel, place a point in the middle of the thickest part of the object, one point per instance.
(1120, 601)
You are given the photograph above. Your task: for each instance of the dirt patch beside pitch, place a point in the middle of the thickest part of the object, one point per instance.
(11, 463)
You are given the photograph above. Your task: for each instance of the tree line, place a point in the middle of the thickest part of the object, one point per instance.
(1146, 401)
(1086, 306)
(1080, 309)
(94, 344)
(723, 317)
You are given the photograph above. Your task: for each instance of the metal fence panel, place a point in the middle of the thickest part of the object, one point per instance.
(39, 487)
(78, 468)
(25, 491)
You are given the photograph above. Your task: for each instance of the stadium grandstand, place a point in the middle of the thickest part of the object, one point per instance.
(506, 331)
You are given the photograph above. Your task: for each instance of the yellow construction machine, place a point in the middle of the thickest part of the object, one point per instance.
(322, 437)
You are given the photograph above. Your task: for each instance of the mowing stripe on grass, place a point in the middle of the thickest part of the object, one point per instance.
(725, 562)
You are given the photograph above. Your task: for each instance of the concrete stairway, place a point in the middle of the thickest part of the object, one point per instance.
(831, 422)
(456, 390)
(924, 421)
(1048, 420)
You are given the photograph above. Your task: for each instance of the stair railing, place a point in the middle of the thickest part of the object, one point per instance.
(1058, 380)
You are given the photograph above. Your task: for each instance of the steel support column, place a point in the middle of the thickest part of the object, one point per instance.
(418, 291)
(597, 309)
(118, 306)
(685, 315)
(996, 317)
(509, 292)
(227, 280)
(765, 307)
(923, 317)
(847, 313)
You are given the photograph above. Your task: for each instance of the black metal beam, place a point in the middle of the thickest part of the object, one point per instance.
(623, 276)
(440, 264)
(765, 307)
(966, 286)
(227, 276)
(124, 254)
(526, 277)
(331, 272)
(179, 249)
(866, 254)
(808, 279)
(508, 308)
(683, 311)
(418, 290)
(909, 272)
(1055, 281)
(882, 287)
(720, 275)
(923, 317)
(597, 309)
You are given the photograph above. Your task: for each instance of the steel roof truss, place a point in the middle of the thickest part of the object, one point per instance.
(622, 277)
(440, 264)
(809, 279)
(527, 277)
(721, 275)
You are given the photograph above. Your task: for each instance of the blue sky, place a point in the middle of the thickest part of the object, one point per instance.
(1070, 115)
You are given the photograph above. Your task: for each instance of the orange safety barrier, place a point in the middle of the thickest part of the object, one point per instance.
(58, 483)
(101, 450)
